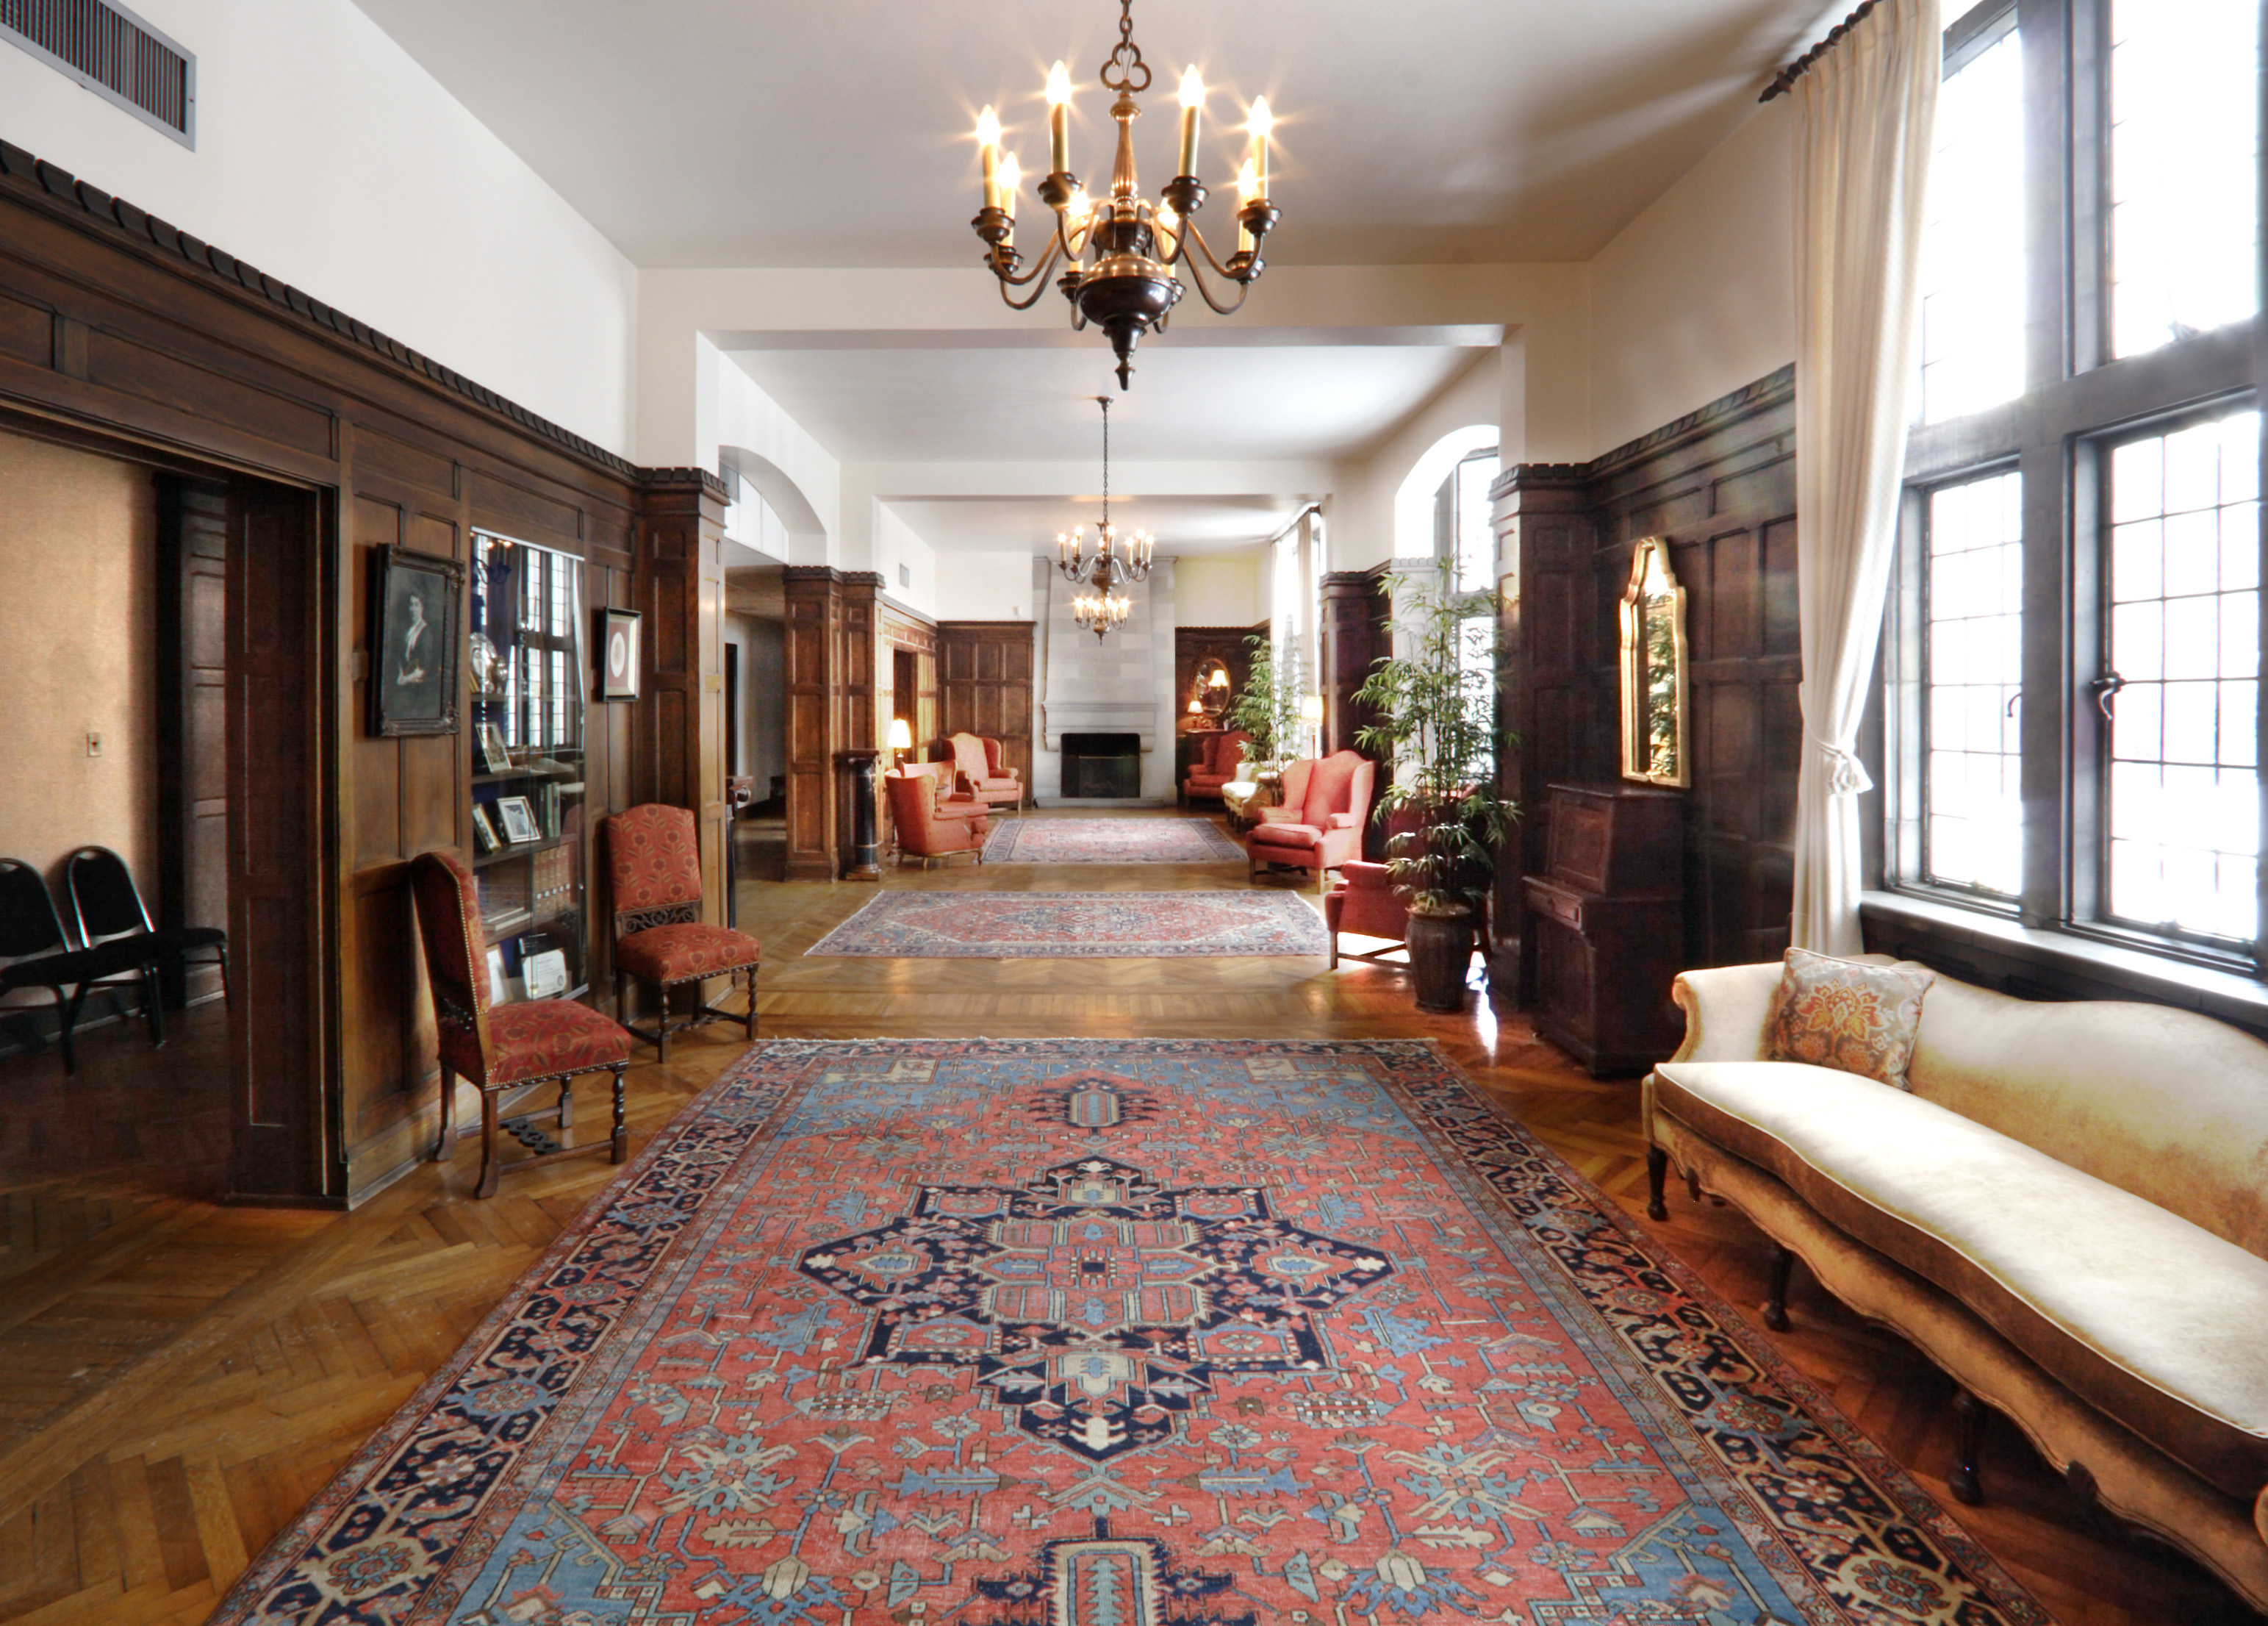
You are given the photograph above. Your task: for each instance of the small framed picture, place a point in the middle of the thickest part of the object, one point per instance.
(545, 974)
(484, 832)
(519, 819)
(494, 753)
(413, 643)
(618, 655)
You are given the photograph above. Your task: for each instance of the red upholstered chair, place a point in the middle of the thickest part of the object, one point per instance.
(1319, 825)
(978, 775)
(494, 1050)
(925, 825)
(1219, 758)
(1363, 903)
(654, 858)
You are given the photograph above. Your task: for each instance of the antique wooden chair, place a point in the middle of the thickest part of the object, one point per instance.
(503, 1047)
(659, 937)
(108, 908)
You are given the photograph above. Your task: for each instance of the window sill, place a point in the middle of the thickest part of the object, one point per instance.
(2118, 971)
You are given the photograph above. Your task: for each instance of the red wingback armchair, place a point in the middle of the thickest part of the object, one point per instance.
(980, 776)
(1363, 903)
(1219, 757)
(537, 1041)
(1319, 825)
(654, 859)
(927, 825)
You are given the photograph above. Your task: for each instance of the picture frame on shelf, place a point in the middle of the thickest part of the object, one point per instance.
(494, 753)
(618, 655)
(414, 643)
(544, 974)
(519, 819)
(484, 832)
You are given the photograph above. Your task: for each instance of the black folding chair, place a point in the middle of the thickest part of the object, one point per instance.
(110, 912)
(41, 956)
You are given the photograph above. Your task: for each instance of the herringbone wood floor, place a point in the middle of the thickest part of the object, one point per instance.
(179, 1377)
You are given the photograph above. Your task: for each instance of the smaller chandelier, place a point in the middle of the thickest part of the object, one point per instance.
(1103, 608)
(1129, 287)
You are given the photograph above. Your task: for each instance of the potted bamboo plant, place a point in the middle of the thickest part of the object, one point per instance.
(1436, 709)
(1267, 707)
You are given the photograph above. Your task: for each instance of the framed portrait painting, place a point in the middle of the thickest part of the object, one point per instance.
(618, 655)
(414, 643)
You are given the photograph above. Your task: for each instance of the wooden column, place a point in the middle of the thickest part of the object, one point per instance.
(192, 715)
(1547, 534)
(1356, 606)
(859, 724)
(815, 639)
(680, 531)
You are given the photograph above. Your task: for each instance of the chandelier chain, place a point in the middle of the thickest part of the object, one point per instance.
(1125, 57)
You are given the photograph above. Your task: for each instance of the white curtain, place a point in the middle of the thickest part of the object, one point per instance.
(1862, 160)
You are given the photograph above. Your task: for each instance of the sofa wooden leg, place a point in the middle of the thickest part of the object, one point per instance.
(1657, 1173)
(1968, 1440)
(1783, 1263)
(447, 1145)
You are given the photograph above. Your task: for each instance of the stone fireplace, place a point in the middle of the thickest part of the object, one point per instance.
(1106, 704)
(1099, 767)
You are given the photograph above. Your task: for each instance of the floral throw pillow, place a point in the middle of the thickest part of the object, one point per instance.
(1855, 1018)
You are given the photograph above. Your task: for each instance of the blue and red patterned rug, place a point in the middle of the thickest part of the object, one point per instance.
(1109, 841)
(1144, 1333)
(1020, 926)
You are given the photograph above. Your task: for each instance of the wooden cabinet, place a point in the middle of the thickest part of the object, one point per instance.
(1605, 925)
(526, 670)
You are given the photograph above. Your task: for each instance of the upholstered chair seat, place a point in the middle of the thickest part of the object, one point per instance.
(927, 827)
(1318, 826)
(978, 776)
(1364, 905)
(654, 858)
(504, 1046)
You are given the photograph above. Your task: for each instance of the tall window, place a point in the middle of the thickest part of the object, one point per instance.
(2074, 660)
(1464, 544)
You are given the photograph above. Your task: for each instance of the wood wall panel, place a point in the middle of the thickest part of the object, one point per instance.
(985, 685)
(1720, 486)
(332, 441)
(814, 637)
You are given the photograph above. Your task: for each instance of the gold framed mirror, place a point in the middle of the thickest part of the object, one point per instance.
(1655, 736)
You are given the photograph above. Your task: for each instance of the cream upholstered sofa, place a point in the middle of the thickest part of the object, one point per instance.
(2067, 1213)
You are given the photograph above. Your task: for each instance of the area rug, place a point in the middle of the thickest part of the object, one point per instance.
(1145, 1333)
(1022, 925)
(1109, 841)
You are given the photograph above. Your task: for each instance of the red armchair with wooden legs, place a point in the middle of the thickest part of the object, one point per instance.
(979, 775)
(535, 1042)
(654, 858)
(1219, 758)
(927, 826)
(1319, 825)
(1364, 905)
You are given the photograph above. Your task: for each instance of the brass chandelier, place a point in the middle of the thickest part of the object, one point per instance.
(1128, 286)
(1103, 608)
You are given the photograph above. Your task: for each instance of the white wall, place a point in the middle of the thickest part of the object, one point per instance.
(1696, 296)
(329, 159)
(1219, 589)
(1365, 517)
(896, 545)
(984, 587)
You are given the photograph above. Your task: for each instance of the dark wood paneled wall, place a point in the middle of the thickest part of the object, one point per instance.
(331, 441)
(984, 684)
(1720, 486)
(1357, 610)
(1194, 644)
(192, 714)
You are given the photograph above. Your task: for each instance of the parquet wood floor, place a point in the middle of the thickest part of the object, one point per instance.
(181, 1376)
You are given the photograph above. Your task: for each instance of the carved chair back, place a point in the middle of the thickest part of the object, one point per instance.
(456, 957)
(654, 858)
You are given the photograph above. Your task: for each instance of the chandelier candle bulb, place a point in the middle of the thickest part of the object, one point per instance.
(1060, 118)
(1260, 123)
(1192, 105)
(1011, 182)
(988, 143)
(1247, 188)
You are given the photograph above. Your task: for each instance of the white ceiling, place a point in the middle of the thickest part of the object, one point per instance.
(837, 133)
(1034, 401)
(785, 132)
(1184, 525)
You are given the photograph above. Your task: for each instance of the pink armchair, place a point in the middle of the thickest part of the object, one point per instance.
(1319, 825)
(979, 774)
(1363, 903)
(926, 825)
(1219, 758)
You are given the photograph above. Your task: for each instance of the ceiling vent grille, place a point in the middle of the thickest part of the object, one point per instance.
(113, 52)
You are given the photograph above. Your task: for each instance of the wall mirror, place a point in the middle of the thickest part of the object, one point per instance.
(1655, 732)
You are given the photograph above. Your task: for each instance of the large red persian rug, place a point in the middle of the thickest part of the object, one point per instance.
(1017, 926)
(1109, 841)
(1150, 1332)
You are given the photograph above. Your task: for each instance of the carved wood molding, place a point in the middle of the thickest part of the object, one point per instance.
(1772, 390)
(35, 180)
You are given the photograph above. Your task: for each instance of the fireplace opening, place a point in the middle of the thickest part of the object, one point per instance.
(1099, 767)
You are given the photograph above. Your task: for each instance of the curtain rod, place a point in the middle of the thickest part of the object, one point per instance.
(1801, 65)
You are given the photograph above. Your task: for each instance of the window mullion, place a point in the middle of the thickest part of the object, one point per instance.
(2062, 737)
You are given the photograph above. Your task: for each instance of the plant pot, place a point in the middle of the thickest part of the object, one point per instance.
(1441, 953)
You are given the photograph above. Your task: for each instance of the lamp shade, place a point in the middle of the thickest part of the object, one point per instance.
(1197, 708)
(901, 734)
(1311, 708)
